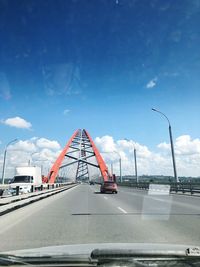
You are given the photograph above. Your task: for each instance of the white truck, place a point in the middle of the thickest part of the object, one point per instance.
(25, 177)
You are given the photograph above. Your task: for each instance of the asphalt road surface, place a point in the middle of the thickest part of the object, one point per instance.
(82, 215)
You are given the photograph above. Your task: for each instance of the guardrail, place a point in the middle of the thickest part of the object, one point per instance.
(4, 188)
(192, 188)
(15, 202)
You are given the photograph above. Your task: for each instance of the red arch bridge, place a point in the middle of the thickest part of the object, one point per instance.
(82, 155)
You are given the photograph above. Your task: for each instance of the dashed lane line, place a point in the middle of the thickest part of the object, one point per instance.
(122, 210)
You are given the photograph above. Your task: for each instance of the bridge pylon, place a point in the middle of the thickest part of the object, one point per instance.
(79, 149)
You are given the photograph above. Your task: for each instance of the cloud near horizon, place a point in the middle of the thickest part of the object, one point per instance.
(44, 151)
(187, 152)
(38, 151)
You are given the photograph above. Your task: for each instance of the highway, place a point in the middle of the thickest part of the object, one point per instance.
(83, 215)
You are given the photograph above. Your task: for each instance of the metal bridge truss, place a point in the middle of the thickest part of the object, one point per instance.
(80, 150)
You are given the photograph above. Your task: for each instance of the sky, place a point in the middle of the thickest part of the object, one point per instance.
(101, 65)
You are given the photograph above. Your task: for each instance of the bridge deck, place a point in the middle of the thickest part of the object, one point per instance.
(82, 215)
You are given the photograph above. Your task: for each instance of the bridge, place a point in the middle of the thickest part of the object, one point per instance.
(80, 150)
(81, 214)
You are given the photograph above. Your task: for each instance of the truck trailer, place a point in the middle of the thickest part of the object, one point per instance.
(25, 177)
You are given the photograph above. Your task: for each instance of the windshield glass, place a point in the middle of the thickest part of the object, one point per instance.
(22, 179)
(100, 104)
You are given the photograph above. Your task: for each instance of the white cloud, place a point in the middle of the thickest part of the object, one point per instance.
(151, 162)
(129, 145)
(105, 143)
(148, 162)
(183, 145)
(164, 146)
(25, 146)
(66, 111)
(152, 83)
(38, 151)
(45, 155)
(187, 152)
(45, 143)
(17, 122)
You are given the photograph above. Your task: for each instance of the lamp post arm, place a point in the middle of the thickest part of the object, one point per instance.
(4, 158)
(162, 114)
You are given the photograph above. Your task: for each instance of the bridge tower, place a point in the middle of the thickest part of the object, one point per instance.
(80, 149)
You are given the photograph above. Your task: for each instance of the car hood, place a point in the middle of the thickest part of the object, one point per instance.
(86, 249)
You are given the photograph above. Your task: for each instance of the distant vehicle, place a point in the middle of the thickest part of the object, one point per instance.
(92, 182)
(108, 186)
(25, 177)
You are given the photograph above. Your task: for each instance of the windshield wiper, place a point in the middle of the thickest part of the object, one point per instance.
(122, 257)
(7, 260)
(67, 260)
(189, 252)
(138, 257)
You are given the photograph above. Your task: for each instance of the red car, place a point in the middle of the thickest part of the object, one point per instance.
(109, 186)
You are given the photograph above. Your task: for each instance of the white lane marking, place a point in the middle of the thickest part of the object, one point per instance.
(105, 198)
(122, 210)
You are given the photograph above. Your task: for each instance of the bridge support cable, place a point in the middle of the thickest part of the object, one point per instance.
(55, 168)
(103, 168)
(82, 170)
(79, 150)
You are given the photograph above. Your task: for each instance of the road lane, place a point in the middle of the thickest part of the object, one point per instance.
(184, 201)
(83, 215)
(183, 213)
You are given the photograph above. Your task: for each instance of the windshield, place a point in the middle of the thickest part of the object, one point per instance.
(100, 106)
(22, 179)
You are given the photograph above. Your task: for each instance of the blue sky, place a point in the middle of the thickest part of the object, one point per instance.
(106, 62)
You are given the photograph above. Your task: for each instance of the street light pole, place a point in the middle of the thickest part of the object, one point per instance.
(135, 160)
(4, 164)
(120, 169)
(31, 158)
(42, 164)
(111, 168)
(173, 155)
(120, 163)
(4, 159)
(171, 143)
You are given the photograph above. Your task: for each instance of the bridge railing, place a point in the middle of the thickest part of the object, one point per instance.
(192, 188)
(5, 191)
(187, 187)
